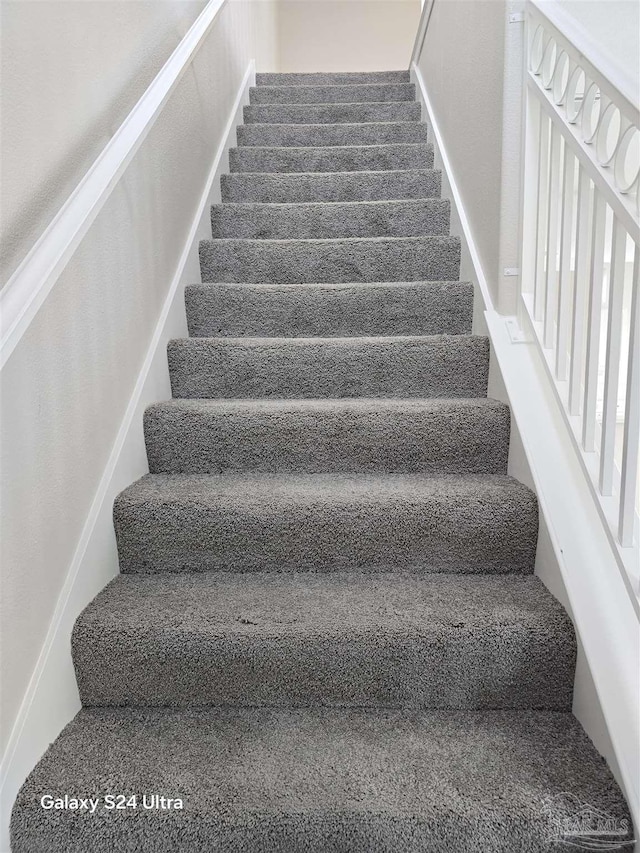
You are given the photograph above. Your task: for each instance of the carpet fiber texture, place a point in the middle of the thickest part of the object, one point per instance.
(326, 635)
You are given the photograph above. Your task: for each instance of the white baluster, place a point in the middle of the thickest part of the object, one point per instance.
(612, 364)
(551, 288)
(564, 278)
(593, 324)
(631, 439)
(541, 224)
(581, 287)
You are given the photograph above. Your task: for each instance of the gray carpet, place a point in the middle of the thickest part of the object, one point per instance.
(331, 113)
(332, 158)
(318, 781)
(326, 636)
(331, 220)
(345, 639)
(340, 93)
(371, 133)
(464, 436)
(330, 310)
(341, 186)
(481, 523)
(440, 366)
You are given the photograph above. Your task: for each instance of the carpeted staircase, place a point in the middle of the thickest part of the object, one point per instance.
(327, 636)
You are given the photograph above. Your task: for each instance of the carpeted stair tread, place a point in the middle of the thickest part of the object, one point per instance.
(330, 78)
(353, 113)
(369, 133)
(481, 524)
(321, 780)
(305, 638)
(285, 188)
(431, 258)
(411, 366)
(320, 436)
(334, 93)
(333, 158)
(329, 310)
(333, 220)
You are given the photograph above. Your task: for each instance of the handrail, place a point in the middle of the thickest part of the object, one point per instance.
(421, 34)
(30, 284)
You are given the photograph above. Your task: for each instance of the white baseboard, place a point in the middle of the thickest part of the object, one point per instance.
(52, 700)
(574, 558)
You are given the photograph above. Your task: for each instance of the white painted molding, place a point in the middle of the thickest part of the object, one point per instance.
(602, 610)
(603, 613)
(31, 283)
(620, 83)
(52, 698)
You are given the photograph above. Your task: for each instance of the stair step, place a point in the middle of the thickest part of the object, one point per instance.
(333, 158)
(331, 78)
(384, 133)
(322, 436)
(358, 93)
(413, 218)
(331, 113)
(304, 368)
(322, 187)
(482, 524)
(344, 639)
(329, 310)
(351, 259)
(321, 780)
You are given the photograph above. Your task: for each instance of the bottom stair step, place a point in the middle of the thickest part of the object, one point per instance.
(317, 781)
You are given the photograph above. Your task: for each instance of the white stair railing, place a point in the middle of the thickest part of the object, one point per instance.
(581, 262)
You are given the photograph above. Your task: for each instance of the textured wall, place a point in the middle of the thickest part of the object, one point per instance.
(71, 71)
(465, 86)
(67, 385)
(346, 35)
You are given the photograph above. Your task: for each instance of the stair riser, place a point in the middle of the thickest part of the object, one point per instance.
(331, 159)
(330, 113)
(422, 670)
(333, 94)
(330, 310)
(406, 532)
(298, 262)
(361, 367)
(385, 133)
(342, 186)
(332, 221)
(455, 439)
(331, 79)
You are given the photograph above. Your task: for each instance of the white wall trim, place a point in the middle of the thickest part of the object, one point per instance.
(597, 597)
(52, 698)
(29, 286)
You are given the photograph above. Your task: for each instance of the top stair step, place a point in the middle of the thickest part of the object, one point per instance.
(380, 92)
(337, 78)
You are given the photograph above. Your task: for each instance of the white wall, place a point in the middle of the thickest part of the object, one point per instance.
(67, 385)
(71, 71)
(466, 91)
(346, 35)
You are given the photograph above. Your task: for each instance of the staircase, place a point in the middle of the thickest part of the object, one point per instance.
(326, 635)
